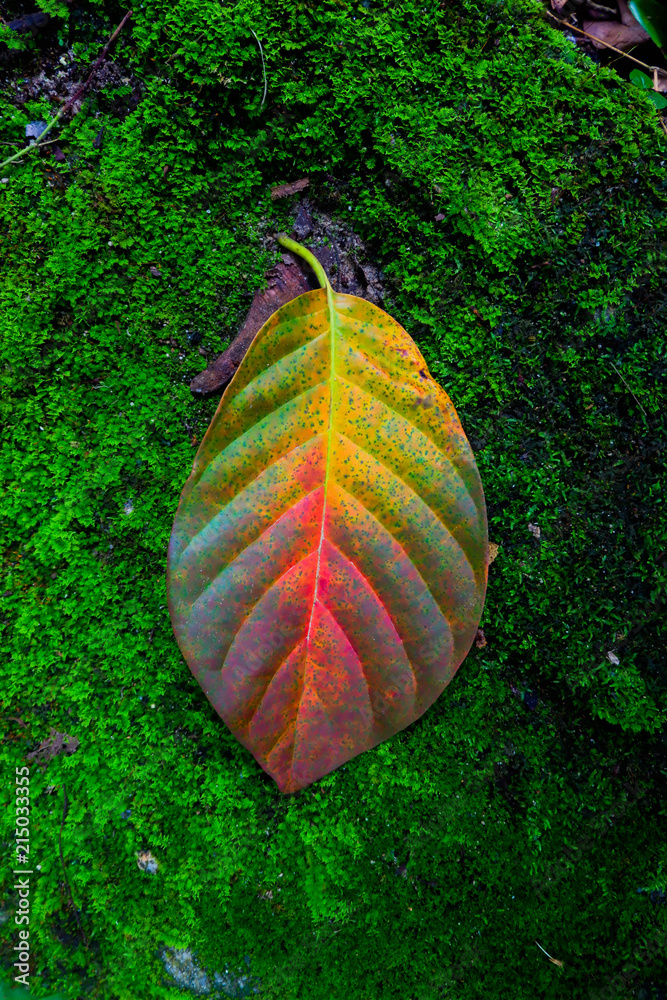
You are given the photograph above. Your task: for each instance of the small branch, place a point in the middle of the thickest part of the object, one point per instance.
(72, 100)
(601, 42)
(18, 144)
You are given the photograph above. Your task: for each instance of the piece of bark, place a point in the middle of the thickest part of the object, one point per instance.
(342, 255)
(51, 747)
(303, 223)
(285, 281)
(283, 190)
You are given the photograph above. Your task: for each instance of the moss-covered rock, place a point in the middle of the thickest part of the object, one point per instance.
(513, 195)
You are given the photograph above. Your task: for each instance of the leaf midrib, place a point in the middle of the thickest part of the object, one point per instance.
(332, 376)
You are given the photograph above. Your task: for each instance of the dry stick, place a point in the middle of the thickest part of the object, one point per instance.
(629, 389)
(656, 69)
(62, 861)
(72, 100)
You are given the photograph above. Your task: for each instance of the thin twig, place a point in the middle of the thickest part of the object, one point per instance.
(18, 144)
(62, 861)
(629, 389)
(601, 42)
(72, 100)
(263, 67)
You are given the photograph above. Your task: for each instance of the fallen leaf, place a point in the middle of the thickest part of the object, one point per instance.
(621, 36)
(283, 190)
(534, 530)
(494, 548)
(612, 657)
(155, 272)
(58, 154)
(328, 561)
(558, 5)
(480, 639)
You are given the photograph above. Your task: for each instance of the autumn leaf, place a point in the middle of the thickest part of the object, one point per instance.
(328, 561)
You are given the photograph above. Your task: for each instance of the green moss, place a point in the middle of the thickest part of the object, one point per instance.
(528, 802)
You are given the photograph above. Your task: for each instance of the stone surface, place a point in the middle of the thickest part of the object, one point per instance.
(182, 966)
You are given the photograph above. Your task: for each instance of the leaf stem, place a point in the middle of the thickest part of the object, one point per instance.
(296, 248)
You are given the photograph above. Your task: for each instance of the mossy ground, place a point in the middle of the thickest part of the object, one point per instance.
(528, 803)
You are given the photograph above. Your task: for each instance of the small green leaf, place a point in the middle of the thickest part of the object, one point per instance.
(645, 83)
(641, 79)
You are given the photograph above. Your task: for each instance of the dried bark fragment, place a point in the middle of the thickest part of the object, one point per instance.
(50, 748)
(283, 190)
(285, 281)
